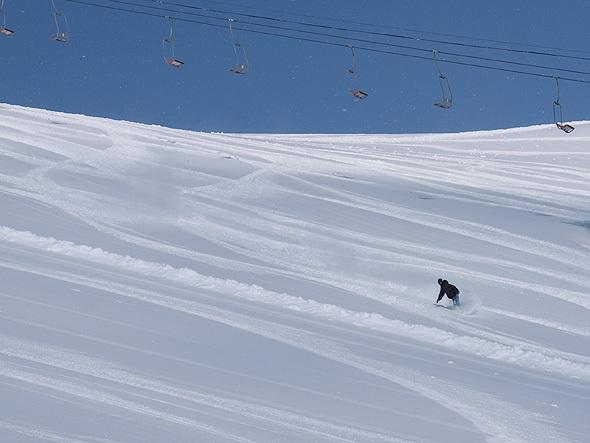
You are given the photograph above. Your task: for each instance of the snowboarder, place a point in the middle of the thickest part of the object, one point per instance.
(450, 290)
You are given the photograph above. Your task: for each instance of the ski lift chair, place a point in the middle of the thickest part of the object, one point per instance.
(446, 102)
(3, 29)
(62, 26)
(168, 48)
(355, 92)
(241, 66)
(557, 111)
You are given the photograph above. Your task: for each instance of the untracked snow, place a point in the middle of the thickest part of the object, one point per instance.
(159, 285)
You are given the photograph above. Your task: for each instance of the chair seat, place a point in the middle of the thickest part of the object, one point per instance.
(444, 104)
(174, 62)
(239, 69)
(565, 127)
(6, 31)
(358, 94)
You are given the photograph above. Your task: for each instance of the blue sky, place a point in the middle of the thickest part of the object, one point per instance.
(113, 67)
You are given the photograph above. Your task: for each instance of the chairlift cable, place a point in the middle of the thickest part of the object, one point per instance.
(387, 34)
(373, 42)
(310, 40)
(399, 28)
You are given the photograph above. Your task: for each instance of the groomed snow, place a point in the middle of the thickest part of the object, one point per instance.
(160, 285)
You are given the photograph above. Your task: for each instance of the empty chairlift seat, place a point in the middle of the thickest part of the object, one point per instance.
(241, 64)
(558, 112)
(446, 101)
(168, 47)
(62, 34)
(354, 90)
(3, 29)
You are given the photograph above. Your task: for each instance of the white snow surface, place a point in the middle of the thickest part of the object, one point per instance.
(159, 285)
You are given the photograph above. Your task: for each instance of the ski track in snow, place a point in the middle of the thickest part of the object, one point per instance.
(324, 245)
(532, 358)
(39, 434)
(493, 421)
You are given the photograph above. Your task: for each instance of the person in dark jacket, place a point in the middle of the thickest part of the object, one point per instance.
(449, 290)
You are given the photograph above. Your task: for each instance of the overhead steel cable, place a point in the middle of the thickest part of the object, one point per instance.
(352, 39)
(399, 28)
(374, 33)
(323, 42)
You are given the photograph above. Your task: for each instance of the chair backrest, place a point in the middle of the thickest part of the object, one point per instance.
(240, 68)
(61, 37)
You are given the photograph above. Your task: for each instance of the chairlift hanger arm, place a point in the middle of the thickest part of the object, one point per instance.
(54, 7)
(558, 90)
(170, 28)
(436, 64)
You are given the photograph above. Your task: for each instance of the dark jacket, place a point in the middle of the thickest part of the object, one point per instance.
(450, 290)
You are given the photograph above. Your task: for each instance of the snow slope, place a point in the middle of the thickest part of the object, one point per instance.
(159, 285)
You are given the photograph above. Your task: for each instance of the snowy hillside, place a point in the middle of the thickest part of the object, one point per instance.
(158, 285)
